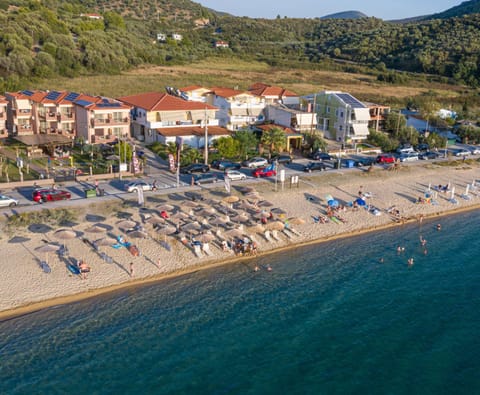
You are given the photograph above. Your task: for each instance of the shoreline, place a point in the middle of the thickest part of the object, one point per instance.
(33, 307)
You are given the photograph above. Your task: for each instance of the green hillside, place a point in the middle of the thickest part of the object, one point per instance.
(44, 39)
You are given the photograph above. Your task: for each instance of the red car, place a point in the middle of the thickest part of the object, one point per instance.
(263, 172)
(50, 195)
(385, 158)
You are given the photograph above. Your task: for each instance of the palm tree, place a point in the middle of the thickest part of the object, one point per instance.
(274, 138)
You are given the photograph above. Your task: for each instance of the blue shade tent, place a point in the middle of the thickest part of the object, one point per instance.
(360, 202)
(333, 203)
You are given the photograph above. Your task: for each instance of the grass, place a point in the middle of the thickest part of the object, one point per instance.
(242, 74)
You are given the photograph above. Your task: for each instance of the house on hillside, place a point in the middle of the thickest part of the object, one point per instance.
(236, 109)
(177, 37)
(221, 44)
(160, 117)
(341, 116)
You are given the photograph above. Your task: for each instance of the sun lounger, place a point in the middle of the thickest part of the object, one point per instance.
(197, 249)
(268, 236)
(275, 235)
(288, 233)
(294, 231)
(206, 249)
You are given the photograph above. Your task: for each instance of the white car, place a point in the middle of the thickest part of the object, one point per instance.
(462, 152)
(474, 150)
(256, 162)
(235, 175)
(7, 201)
(408, 157)
(134, 186)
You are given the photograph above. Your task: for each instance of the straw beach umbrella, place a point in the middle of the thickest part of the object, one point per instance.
(165, 230)
(296, 221)
(275, 225)
(46, 249)
(65, 234)
(205, 238)
(126, 224)
(165, 207)
(258, 228)
(95, 229)
(232, 233)
(231, 199)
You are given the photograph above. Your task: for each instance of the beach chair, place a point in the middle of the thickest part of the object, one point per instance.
(197, 249)
(275, 235)
(294, 231)
(288, 233)
(268, 236)
(206, 249)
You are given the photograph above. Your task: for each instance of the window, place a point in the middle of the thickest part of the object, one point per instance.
(341, 114)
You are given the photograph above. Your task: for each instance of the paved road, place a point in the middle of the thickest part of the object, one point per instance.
(157, 170)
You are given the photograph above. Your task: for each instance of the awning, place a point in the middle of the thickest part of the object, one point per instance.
(360, 131)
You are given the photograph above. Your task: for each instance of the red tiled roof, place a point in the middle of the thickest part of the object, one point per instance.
(193, 130)
(192, 88)
(260, 89)
(155, 101)
(227, 92)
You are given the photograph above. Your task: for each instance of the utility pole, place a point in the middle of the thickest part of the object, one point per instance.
(205, 153)
(314, 107)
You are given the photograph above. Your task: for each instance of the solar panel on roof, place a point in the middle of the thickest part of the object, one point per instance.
(106, 105)
(349, 99)
(27, 93)
(83, 103)
(72, 96)
(53, 95)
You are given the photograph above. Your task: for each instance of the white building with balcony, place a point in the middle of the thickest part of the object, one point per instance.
(156, 117)
(236, 109)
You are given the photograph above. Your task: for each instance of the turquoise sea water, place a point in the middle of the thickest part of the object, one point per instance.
(328, 319)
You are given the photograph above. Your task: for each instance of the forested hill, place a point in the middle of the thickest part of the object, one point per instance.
(465, 8)
(58, 37)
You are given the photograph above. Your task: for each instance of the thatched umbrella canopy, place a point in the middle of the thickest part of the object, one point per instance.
(264, 203)
(275, 225)
(231, 199)
(205, 238)
(165, 207)
(296, 221)
(232, 233)
(46, 249)
(126, 224)
(95, 229)
(258, 228)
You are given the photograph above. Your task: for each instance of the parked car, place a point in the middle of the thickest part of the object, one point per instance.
(281, 158)
(7, 201)
(462, 152)
(406, 149)
(320, 156)
(359, 162)
(312, 166)
(474, 149)
(134, 186)
(423, 147)
(50, 195)
(222, 164)
(428, 155)
(235, 175)
(200, 179)
(410, 157)
(255, 162)
(385, 158)
(263, 172)
(194, 168)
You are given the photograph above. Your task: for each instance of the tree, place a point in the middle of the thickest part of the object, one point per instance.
(382, 140)
(246, 142)
(227, 147)
(274, 138)
(395, 121)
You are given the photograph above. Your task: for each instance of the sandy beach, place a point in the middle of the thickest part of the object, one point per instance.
(392, 197)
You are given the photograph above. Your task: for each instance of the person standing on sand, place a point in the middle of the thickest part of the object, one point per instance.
(159, 263)
(132, 272)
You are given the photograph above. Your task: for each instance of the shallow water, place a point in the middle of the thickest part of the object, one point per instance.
(329, 318)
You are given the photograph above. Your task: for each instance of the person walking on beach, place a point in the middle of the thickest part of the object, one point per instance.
(132, 272)
(159, 263)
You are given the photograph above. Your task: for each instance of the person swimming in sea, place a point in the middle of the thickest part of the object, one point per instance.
(410, 261)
